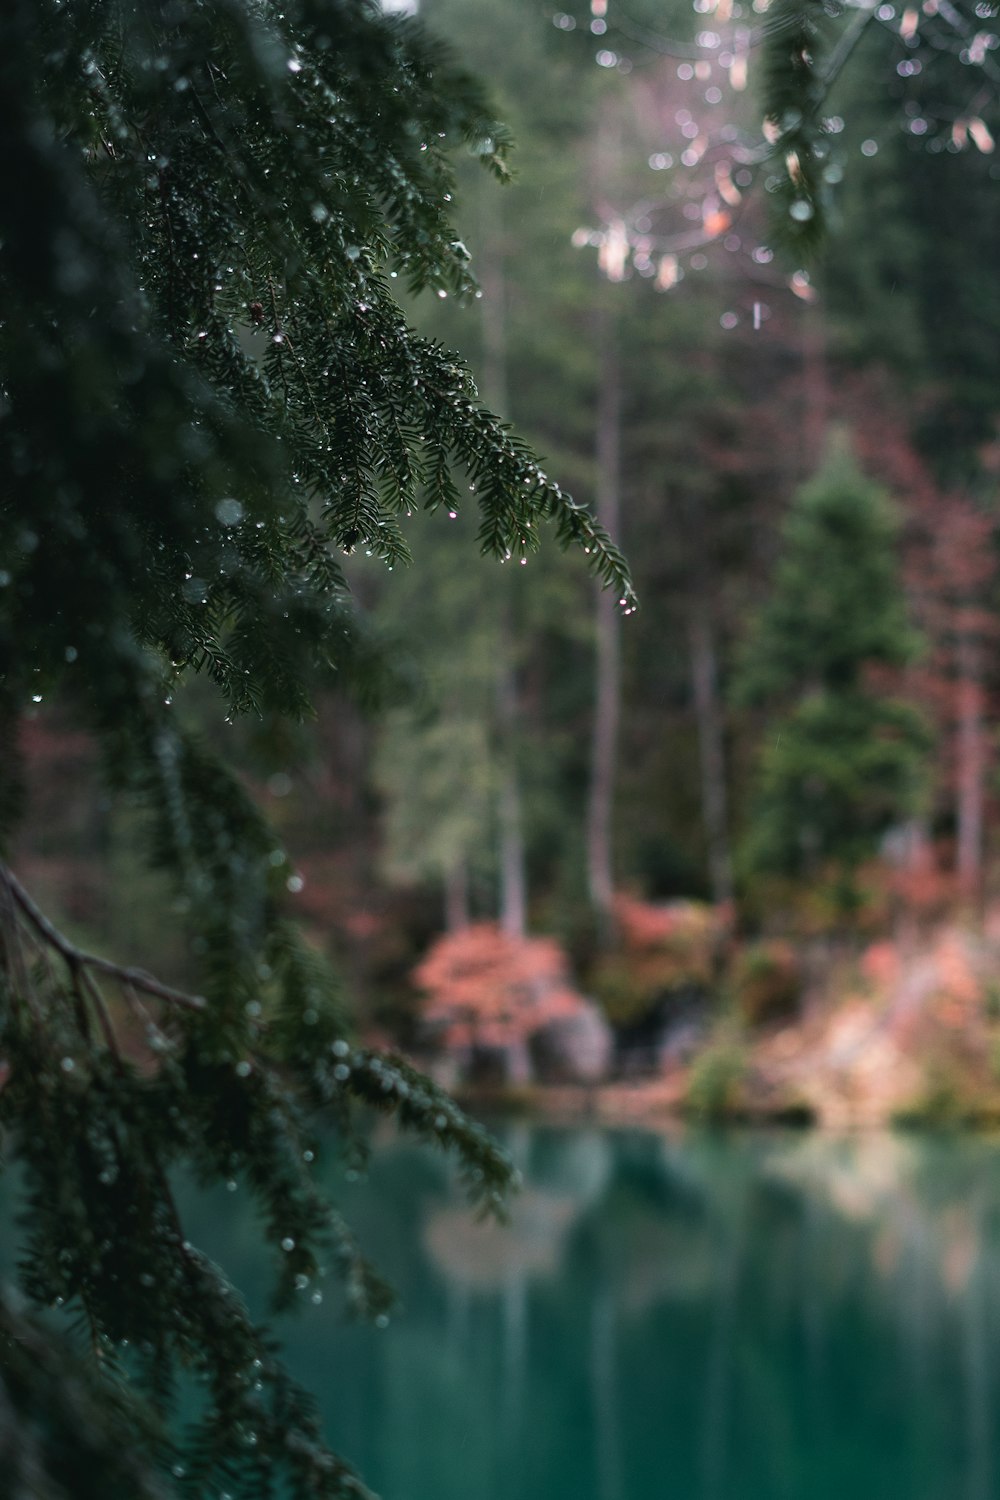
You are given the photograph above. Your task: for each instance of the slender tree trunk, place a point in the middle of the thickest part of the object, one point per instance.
(971, 766)
(494, 383)
(456, 896)
(607, 707)
(513, 882)
(704, 681)
(815, 385)
(493, 380)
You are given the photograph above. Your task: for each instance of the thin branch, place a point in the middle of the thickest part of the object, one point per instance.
(93, 989)
(80, 984)
(156, 1034)
(656, 41)
(77, 959)
(10, 944)
(840, 55)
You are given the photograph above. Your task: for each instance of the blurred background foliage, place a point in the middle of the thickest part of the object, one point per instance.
(794, 738)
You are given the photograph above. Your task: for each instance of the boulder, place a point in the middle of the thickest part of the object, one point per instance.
(575, 1049)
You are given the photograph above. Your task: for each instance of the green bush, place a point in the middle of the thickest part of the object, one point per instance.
(715, 1083)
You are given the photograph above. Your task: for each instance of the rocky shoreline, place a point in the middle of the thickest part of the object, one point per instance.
(892, 1036)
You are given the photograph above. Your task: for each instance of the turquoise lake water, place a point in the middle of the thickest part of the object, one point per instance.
(685, 1317)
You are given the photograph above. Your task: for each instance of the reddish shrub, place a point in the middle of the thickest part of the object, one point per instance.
(485, 988)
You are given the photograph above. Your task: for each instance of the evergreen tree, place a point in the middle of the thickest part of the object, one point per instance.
(840, 762)
(208, 395)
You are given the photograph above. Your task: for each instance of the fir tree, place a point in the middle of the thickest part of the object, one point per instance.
(208, 394)
(840, 762)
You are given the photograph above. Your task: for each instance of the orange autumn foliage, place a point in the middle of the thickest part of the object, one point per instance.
(484, 987)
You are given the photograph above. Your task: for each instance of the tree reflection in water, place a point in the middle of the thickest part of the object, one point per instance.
(769, 1316)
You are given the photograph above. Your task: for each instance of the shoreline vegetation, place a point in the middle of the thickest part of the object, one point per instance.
(688, 1015)
(845, 1035)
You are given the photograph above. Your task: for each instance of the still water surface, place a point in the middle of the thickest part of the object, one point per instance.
(685, 1317)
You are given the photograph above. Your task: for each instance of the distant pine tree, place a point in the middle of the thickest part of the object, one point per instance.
(841, 756)
(208, 394)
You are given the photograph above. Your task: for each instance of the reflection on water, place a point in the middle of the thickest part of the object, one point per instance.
(692, 1317)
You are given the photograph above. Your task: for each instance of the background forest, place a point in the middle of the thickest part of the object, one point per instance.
(754, 823)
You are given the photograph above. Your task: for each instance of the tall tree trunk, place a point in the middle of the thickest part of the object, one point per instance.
(513, 881)
(815, 385)
(607, 706)
(971, 766)
(494, 384)
(456, 896)
(704, 682)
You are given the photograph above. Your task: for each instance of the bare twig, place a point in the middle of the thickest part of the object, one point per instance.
(93, 989)
(156, 1035)
(10, 941)
(77, 959)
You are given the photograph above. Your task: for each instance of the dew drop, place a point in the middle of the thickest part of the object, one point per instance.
(229, 512)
